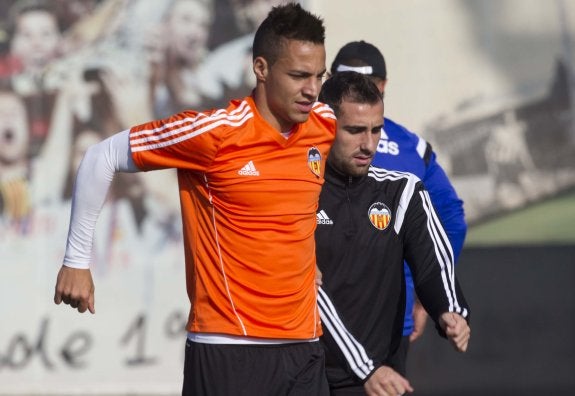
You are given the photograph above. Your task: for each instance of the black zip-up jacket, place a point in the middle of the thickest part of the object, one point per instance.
(366, 228)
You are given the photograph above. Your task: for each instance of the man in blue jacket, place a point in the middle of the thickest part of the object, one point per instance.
(402, 150)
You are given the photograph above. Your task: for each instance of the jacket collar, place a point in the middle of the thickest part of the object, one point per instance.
(335, 176)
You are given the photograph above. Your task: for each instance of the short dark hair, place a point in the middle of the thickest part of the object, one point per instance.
(351, 87)
(289, 22)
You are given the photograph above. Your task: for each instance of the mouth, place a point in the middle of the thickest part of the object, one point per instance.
(363, 160)
(304, 107)
(7, 135)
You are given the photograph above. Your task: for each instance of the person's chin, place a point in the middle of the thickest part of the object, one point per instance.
(356, 171)
(363, 170)
(301, 117)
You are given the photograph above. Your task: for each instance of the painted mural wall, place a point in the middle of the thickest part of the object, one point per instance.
(73, 72)
(488, 83)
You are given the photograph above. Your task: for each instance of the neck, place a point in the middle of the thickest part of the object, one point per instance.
(267, 114)
(333, 172)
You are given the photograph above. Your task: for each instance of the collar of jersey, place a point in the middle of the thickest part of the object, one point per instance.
(334, 176)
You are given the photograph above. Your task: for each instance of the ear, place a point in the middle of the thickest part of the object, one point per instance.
(261, 68)
(381, 85)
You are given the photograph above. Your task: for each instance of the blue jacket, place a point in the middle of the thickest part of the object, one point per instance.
(402, 150)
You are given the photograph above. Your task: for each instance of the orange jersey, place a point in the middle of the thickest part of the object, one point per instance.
(249, 198)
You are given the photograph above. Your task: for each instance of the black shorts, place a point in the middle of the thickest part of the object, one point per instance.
(261, 370)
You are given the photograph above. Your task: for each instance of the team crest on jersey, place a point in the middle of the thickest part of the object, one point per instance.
(379, 215)
(314, 161)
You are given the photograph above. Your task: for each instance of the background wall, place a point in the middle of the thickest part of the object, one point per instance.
(488, 83)
(445, 53)
(522, 324)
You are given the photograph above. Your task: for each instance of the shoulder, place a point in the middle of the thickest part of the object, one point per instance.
(323, 116)
(396, 186)
(381, 175)
(323, 111)
(190, 123)
(239, 113)
(407, 139)
(398, 130)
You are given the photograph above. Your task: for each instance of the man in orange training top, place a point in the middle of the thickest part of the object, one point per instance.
(249, 177)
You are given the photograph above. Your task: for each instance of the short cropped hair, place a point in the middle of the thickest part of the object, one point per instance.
(351, 87)
(286, 22)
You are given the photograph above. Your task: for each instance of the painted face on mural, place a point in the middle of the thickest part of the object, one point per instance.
(250, 13)
(36, 38)
(188, 25)
(13, 129)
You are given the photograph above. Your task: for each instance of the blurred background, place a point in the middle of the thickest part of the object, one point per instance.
(490, 84)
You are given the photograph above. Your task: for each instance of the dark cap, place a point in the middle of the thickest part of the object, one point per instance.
(361, 57)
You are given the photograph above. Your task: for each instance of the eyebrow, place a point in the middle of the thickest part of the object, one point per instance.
(307, 73)
(361, 128)
(355, 128)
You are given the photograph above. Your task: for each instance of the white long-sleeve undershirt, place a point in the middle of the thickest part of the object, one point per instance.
(93, 180)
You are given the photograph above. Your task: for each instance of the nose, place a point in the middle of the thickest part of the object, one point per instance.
(312, 87)
(368, 142)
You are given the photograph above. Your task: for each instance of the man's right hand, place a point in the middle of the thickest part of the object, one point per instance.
(75, 287)
(386, 382)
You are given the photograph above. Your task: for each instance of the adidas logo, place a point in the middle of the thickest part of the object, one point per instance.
(322, 218)
(249, 170)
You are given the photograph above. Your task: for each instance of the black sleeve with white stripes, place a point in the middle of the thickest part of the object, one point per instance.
(431, 260)
(351, 351)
